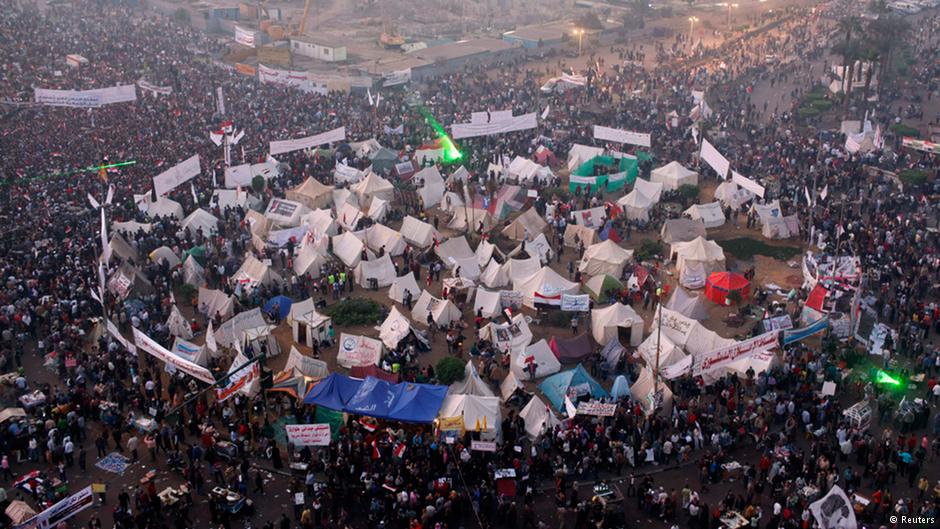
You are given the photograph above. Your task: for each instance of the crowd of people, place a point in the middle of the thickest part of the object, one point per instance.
(786, 444)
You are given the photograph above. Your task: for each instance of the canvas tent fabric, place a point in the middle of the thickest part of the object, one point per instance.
(673, 175)
(431, 188)
(309, 260)
(637, 203)
(538, 247)
(178, 325)
(471, 384)
(312, 194)
(165, 255)
(123, 249)
(162, 207)
(669, 352)
(508, 386)
(569, 383)
(348, 216)
(383, 160)
(579, 154)
(689, 334)
(253, 273)
(571, 350)
(575, 233)
(372, 186)
(442, 311)
(348, 248)
(216, 302)
(201, 219)
(285, 213)
(494, 275)
(454, 249)
(485, 251)
(732, 195)
(320, 222)
(344, 196)
(470, 219)
(378, 210)
(525, 170)
(599, 286)
(681, 230)
(280, 304)
(333, 392)
(418, 233)
(620, 388)
(395, 328)
(193, 273)
(479, 413)
(379, 236)
(720, 284)
(405, 402)
(487, 303)
(131, 227)
(546, 287)
(539, 354)
(357, 350)
(231, 332)
(781, 227)
(381, 270)
(402, 284)
(233, 199)
(653, 396)
(710, 214)
(511, 337)
(606, 257)
(696, 259)
(690, 306)
(526, 226)
(606, 324)
(538, 418)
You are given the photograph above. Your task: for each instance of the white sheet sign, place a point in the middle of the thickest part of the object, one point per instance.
(514, 124)
(151, 346)
(491, 116)
(715, 159)
(180, 173)
(622, 136)
(280, 147)
(725, 355)
(575, 302)
(308, 434)
(86, 98)
(747, 183)
(61, 511)
(245, 37)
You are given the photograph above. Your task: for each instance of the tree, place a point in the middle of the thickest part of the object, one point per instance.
(871, 57)
(257, 183)
(449, 370)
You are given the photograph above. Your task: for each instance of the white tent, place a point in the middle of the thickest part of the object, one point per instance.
(308, 366)
(517, 270)
(344, 196)
(732, 195)
(637, 203)
(432, 186)
(607, 322)
(165, 254)
(471, 219)
(232, 332)
(320, 222)
(479, 413)
(575, 233)
(163, 207)
(256, 336)
(417, 233)
(606, 257)
(579, 154)
(688, 305)
(508, 386)
(451, 201)
(395, 328)
(453, 250)
(310, 258)
(123, 249)
(442, 311)
(487, 303)
(178, 325)
(494, 275)
(673, 175)
(652, 396)
(285, 212)
(372, 186)
(687, 333)
(242, 175)
(681, 230)
(212, 302)
(508, 337)
(781, 227)
(402, 284)
(131, 227)
(378, 209)
(312, 194)
(258, 224)
(348, 216)
(379, 236)
(710, 214)
(539, 419)
(539, 354)
(669, 352)
(201, 220)
(525, 170)
(471, 384)
(537, 247)
(546, 287)
(193, 273)
(345, 173)
(485, 251)
(526, 226)
(307, 325)
(358, 351)
(381, 270)
(466, 268)
(696, 259)
(233, 199)
(348, 248)
(253, 273)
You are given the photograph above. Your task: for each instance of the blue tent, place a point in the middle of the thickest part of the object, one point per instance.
(418, 402)
(333, 392)
(374, 398)
(282, 303)
(574, 382)
(621, 387)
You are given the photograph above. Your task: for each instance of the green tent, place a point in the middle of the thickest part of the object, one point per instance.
(598, 286)
(620, 172)
(197, 252)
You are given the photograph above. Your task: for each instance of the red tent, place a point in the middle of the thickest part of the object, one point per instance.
(719, 284)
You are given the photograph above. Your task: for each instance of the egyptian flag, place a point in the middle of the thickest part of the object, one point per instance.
(399, 450)
(375, 450)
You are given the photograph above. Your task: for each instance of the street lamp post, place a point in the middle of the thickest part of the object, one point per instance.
(730, 7)
(580, 34)
(692, 21)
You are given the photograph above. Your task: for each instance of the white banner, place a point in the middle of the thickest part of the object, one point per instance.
(150, 87)
(86, 98)
(599, 409)
(482, 446)
(835, 511)
(396, 78)
(280, 147)
(747, 183)
(180, 173)
(713, 360)
(196, 371)
(490, 117)
(712, 157)
(245, 37)
(220, 101)
(242, 378)
(116, 333)
(514, 124)
(575, 302)
(308, 434)
(294, 78)
(61, 511)
(622, 136)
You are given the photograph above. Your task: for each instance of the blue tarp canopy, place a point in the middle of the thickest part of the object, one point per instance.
(282, 303)
(373, 397)
(621, 388)
(574, 383)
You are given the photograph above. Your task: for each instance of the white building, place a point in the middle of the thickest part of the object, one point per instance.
(308, 48)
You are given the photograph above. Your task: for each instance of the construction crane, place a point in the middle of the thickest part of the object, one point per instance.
(303, 21)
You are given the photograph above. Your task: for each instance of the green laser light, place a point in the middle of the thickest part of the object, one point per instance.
(883, 378)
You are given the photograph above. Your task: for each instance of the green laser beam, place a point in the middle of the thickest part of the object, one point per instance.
(89, 169)
(451, 152)
(884, 378)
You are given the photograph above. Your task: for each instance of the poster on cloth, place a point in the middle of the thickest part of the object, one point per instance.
(723, 356)
(482, 446)
(778, 323)
(715, 159)
(396, 78)
(747, 183)
(246, 37)
(358, 351)
(490, 117)
(332, 136)
(622, 136)
(150, 87)
(599, 409)
(795, 335)
(510, 298)
(834, 510)
(294, 78)
(180, 173)
(308, 434)
(196, 371)
(243, 378)
(86, 98)
(61, 511)
(920, 145)
(575, 302)
(514, 124)
(116, 333)
(119, 285)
